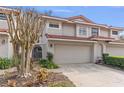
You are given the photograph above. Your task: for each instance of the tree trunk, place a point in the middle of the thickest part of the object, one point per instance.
(22, 71)
(15, 55)
(28, 61)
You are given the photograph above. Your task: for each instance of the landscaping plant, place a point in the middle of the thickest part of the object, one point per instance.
(114, 60)
(61, 84)
(5, 63)
(50, 56)
(48, 63)
(42, 75)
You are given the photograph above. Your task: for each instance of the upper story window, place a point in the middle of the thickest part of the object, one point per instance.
(95, 31)
(114, 32)
(54, 25)
(82, 31)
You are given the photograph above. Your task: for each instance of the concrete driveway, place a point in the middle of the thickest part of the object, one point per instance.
(92, 75)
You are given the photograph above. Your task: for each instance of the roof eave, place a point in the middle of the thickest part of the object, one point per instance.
(70, 40)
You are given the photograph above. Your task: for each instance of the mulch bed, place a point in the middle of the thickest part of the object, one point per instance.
(12, 77)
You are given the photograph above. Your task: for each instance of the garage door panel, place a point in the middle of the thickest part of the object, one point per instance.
(72, 54)
(115, 51)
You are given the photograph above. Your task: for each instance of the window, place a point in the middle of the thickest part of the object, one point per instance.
(115, 32)
(52, 25)
(2, 16)
(82, 31)
(95, 31)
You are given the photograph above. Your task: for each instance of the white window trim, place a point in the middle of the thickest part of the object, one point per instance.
(113, 34)
(97, 28)
(77, 31)
(59, 23)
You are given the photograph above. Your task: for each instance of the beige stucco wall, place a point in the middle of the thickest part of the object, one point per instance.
(104, 32)
(4, 47)
(56, 31)
(3, 24)
(115, 36)
(68, 29)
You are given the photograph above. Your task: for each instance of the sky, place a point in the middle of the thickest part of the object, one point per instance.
(109, 15)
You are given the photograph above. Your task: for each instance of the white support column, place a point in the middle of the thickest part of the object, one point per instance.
(77, 30)
(10, 48)
(104, 48)
(94, 52)
(110, 32)
(44, 51)
(99, 31)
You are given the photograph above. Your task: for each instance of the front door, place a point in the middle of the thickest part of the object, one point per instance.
(37, 52)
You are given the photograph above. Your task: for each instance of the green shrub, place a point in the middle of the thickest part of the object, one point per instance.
(48, 64)
(5, 63)
(114, 60)
(50, 56)
(104, 56)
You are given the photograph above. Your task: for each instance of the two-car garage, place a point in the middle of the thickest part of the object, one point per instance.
(72, 53)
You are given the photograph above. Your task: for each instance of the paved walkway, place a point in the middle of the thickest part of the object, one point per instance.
(92, 75)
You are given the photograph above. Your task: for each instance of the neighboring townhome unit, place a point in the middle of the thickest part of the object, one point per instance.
(71, 40)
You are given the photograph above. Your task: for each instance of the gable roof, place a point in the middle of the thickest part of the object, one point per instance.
(81, 17)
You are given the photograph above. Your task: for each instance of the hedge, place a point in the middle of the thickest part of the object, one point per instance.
(113, 60)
